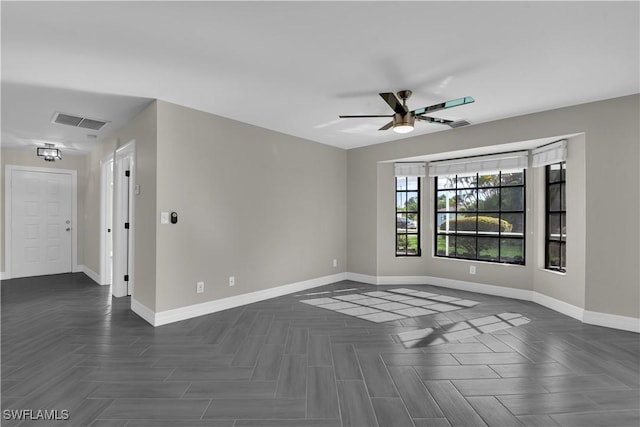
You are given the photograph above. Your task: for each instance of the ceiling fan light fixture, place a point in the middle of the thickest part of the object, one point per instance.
(403, 123)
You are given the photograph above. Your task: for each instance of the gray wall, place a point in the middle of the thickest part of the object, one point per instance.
(609, 165)
(264, 207)
(143, 130)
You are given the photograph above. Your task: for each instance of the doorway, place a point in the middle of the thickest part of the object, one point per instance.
(40, 221)
(106, 220)
(122, 283)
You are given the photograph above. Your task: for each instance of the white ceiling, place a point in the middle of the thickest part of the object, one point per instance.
(294, 67)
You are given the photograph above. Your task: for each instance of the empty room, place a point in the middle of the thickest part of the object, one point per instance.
(320, 213)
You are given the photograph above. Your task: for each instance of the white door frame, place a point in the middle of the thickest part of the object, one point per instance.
(104, 183)
(7, 213)
(122, 264)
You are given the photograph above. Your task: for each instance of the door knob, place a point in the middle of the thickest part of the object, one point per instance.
(68, 229)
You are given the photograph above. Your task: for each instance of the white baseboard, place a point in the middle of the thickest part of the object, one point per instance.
(3, 276)
(625, 323)
(362, 278)
(89, 272)
(188, 312)
(143, 311)
(591, 317)
(559, 306)
(445, 283)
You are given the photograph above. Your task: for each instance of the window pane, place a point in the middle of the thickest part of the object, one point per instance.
(512, 178)
(563, 227)
(563, 256)
(401, 222)
(467, 223)
(553, 255)
(555, 172)
(488, 249)
(412, 183)
(466, 200)
(412, 201)
(513, 223)
(466, 247)
(401, 201)
(446, 181)
(401, 242)
(401, 183)
(512, 250)
(446, 245)
(489, 180)
(412, 221)
(412, 244)
(554, 197)
(488, 224)
(466, 181)
(446, 200)
(563, 197)
(446, 222)
(554, 226)
(512, 199)
(489, 199)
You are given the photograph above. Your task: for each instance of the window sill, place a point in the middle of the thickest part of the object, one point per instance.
(475, 261)
(556, 272)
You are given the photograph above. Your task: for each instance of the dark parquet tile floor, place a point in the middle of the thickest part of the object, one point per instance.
(68, 346)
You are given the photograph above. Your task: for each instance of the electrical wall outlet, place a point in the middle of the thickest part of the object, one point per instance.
(472, 269)
(335, 263)
(232, 281)
(200, 287)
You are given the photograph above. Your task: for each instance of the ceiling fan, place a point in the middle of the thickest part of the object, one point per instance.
(403, 119)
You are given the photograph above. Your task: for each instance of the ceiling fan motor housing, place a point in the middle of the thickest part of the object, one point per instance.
(403, 119)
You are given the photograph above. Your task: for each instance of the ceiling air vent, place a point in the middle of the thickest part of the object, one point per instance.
(77, 121)
(459, 123)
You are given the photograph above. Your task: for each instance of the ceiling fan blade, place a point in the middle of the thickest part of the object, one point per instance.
(387, 126)
(352, 117)
(434, 120)
(444, 105)
(393, 102)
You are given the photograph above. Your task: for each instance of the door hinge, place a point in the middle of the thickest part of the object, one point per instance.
(127, 173)
(126, 277)
(126, 225)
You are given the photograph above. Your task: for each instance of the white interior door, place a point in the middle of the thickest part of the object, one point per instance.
(109, 219)
(106, 222)
(123, 227)
(41, 223)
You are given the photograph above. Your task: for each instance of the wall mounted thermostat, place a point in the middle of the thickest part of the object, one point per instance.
(174, 217)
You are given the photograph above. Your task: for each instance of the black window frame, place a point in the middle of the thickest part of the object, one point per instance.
(561, 240)
(406, 233)
(478, 234)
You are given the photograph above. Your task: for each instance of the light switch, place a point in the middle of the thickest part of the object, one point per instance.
(164, 217)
